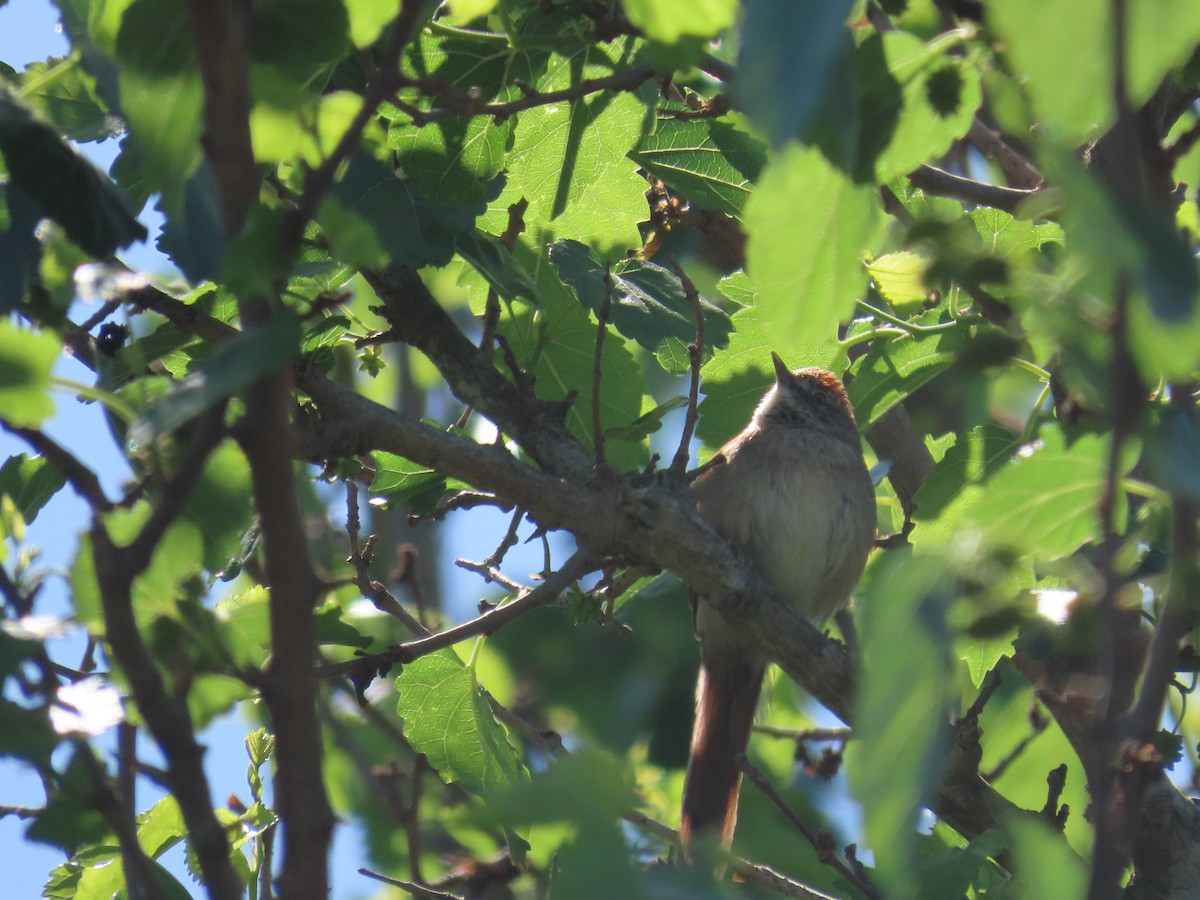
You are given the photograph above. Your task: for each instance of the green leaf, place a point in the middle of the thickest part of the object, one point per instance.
(367, 19)
(569, 159)
(407, 227)
(64, 95)
(177, 559)
(411, 484)
(221, 505)
(245, 623)
(307, 133)
(64, 186)
(497, 265)
(808, 226)
(69, 820)
(982, 654)
(1044, 502)
(26, 734)
(901, 707)
(673, 355)
(647, 423)
(1045, 863)
(1173, 453)
(801, 45)
(1162, 36)
(647, 302)
(454, 160)
(894, 369)
(297, 41)
(233, 366)
(161, 827)
(669, 20)
(447, 718)
(26, 358)
(333, 629)
(193, 235)
(1004, 236)
(557, 344)
(737, 288)
(939, 94)
(952, 866)
(30, 482)
(1062, 85)
(352, 239)
(19, 246)
(900, 277)
(161, 96)
(585, 785)
(737, 376)
(956, 483)
(708, 162)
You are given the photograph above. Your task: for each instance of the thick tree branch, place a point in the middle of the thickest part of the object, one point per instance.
(418, 320)
(940, 183)
(652, 519)
(168, 720)
(221, 38)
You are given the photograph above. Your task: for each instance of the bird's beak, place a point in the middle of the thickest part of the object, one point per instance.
(782, 372)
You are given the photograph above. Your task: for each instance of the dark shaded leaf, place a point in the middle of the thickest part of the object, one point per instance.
(64, 186)
(647, 301)
(30, 482)
(794, 44)
(233, 366)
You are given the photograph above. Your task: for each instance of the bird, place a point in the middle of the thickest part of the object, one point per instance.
(795, 499)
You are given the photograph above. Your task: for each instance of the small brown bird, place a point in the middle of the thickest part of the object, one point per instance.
(795, 498)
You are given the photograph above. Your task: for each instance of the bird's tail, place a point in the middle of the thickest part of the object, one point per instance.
(726, 697)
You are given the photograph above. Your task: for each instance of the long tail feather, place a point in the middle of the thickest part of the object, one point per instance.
(726, 696)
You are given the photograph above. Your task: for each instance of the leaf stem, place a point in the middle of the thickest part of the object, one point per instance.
(908, 327)
(119, 407)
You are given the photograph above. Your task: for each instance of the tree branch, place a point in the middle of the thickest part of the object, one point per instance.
(488, 623)
(220, 37)
(940, 183)
(629, 80)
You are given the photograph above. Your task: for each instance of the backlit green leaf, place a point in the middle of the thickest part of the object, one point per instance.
(25, 361)
(808, 228)
(447, 718)
(710, 163)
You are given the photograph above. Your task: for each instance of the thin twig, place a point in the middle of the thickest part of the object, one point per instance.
(821, 842)
(106, 309)
(490, 574)
(412, 819)
(1013, 755)
(805, 734)
(360, 560)
(139, 871)
(601, 329)
(461, 500)
(79, 476)
(508, 541)
(487, 623)
(629, 80)
(387, 79)
(695, 356)
(415, 889)
(1182, 144)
